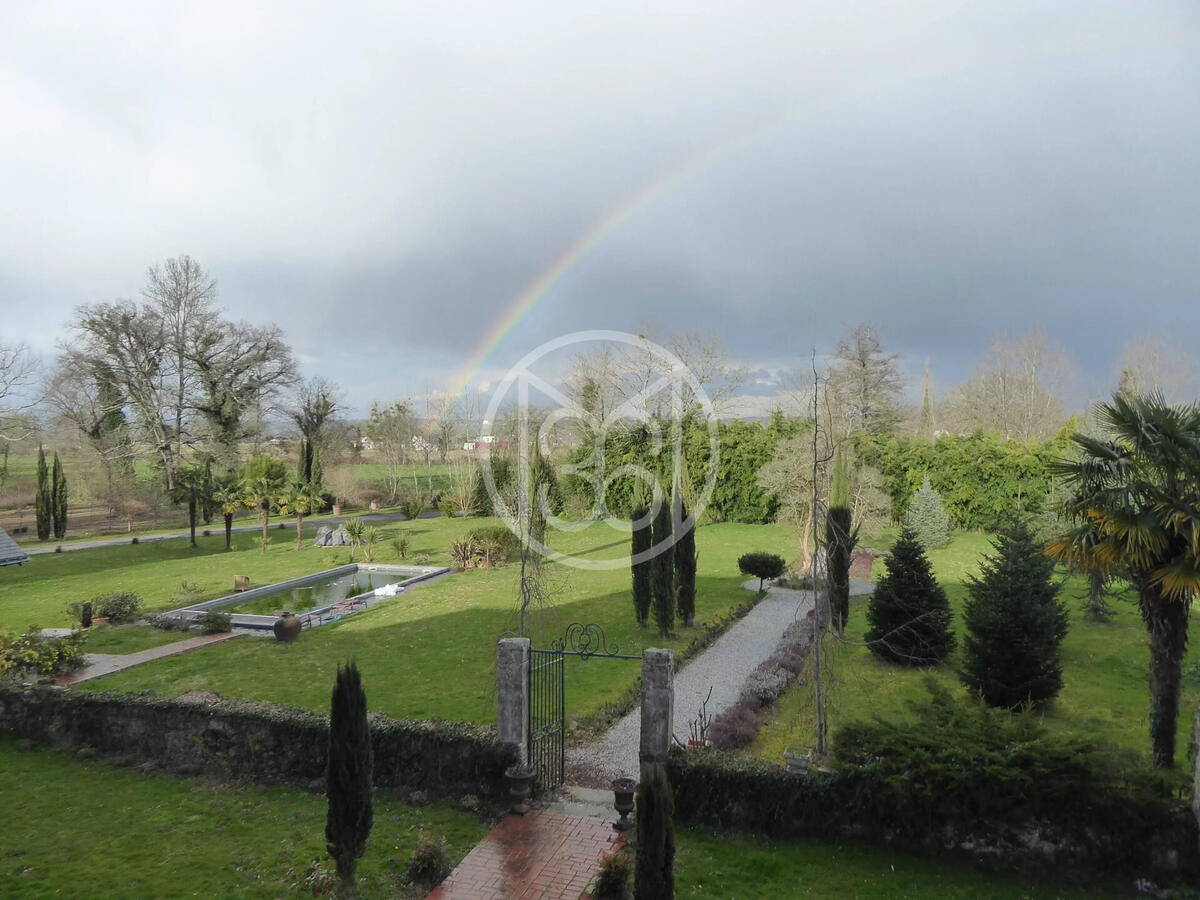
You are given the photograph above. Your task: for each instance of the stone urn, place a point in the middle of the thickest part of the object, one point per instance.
(623, 789)
(520, 785)
(287, 628)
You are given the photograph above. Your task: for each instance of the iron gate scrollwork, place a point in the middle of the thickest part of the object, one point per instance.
(547, 697)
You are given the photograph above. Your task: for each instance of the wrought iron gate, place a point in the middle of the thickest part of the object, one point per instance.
(547, 697)
(547, 719)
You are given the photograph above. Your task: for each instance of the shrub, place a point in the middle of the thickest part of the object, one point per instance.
(612, 882)
(908, 613)
(508, 544)
(761, 566)
(122, 606)
(448, 507)
(429, 864)
(927, 518)
(82, 612)
(462, 553)
(400, 545)
(215, 622)
(168, 623)
(654, 870)
(41, 655)
(1015, 623)
(349, 773)
(734, 728)
(765, 685)
(640, 543)
(412, 508)
(662, 571)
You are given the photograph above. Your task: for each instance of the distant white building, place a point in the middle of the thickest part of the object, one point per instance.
(485, 440)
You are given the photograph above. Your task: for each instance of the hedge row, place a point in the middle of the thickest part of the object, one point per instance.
(259, 742)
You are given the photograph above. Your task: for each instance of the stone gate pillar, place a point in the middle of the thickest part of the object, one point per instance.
(512, 695)
(658, 705)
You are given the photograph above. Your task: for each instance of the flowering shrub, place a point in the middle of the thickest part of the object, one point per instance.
(43, 656)
(429, 863)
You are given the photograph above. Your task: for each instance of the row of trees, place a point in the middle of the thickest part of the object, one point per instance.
(51, 499)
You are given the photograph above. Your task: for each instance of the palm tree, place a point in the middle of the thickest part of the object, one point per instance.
(190, 487)
(261, 493)
(229, 496)
(1135, 502)
(300, 499)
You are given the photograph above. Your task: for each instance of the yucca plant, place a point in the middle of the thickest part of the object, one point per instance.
(355, 530)
(370, 537)
(1135, 505)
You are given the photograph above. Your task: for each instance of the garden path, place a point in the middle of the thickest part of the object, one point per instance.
(723, 667)
(96, 665)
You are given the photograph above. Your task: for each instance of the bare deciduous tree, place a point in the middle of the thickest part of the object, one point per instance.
(864, 384)
(18, 377)
(1155, 365)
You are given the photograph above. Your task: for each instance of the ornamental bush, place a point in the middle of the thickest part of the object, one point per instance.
(762, 566)
(908, 613)
(1015, 623)
(122, 606)
(927, 518)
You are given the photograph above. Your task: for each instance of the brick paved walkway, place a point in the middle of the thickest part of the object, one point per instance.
(97, 665)
(540, 856)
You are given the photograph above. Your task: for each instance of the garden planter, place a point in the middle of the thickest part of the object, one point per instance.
(520, 784)
(337, 509)
(623, 789)
(287, 628)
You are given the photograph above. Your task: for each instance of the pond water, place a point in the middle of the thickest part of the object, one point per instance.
(314, 596)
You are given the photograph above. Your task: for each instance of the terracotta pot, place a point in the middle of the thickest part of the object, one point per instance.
(287, 628)
(337, 509)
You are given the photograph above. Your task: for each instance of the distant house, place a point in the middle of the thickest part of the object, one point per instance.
(485, 440)
(366, 444)
(10, 553)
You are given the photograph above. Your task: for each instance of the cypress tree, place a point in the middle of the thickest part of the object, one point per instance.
(685, 572)
(1015, 623)
(908, 614)
(840, 538)
(662, 572)
(206, 497)
(927, 518)
(316, 475)
(58, 501)
(641, 542)
(303, 462)
(44, 501)
(654, 868)
(349, 774)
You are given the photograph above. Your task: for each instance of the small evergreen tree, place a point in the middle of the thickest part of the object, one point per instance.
(662, 571)
(762, 566)
(927, 518)
(640, 543)
(908, 614)
(349, 775)
(654, 869)
(207, 503)
(44, 500)
(1015, 623)
(685, 572)
(58, 501)
(303, 462)
(316, 472)
(840, 538)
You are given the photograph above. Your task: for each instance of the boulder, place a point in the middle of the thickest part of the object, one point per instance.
(339, 538)
(322, 537)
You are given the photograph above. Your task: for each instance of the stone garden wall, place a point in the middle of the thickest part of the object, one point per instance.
(259, 742)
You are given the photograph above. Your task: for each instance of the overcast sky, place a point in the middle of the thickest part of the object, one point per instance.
(385, 181)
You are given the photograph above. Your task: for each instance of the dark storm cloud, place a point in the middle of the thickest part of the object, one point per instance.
(385, 184)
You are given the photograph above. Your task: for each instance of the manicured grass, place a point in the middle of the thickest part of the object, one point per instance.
(86, 829)
(746, 867)
(39, 591)
(431, 651)
(130, 638)
(1105, 671)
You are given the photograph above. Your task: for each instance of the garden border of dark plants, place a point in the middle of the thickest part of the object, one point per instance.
(258, 742)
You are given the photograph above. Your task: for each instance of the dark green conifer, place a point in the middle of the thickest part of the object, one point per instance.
(654, 869)
(640, 544)
(44, 499)
(908, 614)
(349, 775)
(662, 577)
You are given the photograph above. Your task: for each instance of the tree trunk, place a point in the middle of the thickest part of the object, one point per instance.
(228, 531)
(299, 527)
(192, 517)
(1167, 622)
(266, 514)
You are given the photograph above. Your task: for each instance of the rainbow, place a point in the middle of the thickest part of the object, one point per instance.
(537, 289)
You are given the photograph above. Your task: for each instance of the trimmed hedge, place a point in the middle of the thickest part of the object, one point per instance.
(980, 780)
(260, 742)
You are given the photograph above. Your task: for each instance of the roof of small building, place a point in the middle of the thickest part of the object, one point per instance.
(10, 553)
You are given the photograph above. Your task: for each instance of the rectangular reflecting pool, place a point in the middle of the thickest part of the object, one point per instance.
(310, 594)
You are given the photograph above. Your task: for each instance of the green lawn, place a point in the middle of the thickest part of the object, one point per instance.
(130, 638)
(86, 829)
(712, 866)
(83, 829)
(1105, 671)
(431, 651)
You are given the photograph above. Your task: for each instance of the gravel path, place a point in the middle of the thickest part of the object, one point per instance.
(723, 667)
